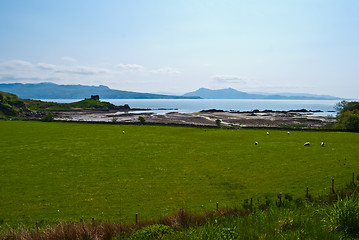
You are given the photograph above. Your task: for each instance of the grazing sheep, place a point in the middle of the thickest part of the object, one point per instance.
(322, 144)
(288, 133)
(123, 132)
(256, 143)
(307, 144)
(267, 133)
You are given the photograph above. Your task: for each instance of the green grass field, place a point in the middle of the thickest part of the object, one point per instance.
(54, 172)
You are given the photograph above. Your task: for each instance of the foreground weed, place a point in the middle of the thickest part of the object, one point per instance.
(343, 217)
(155, 231)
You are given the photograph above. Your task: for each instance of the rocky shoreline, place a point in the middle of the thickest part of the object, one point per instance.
(294, 118)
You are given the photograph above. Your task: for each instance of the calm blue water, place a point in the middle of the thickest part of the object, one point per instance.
(195, 105)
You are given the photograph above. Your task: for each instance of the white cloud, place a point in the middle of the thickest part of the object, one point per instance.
(23, 71)
(17, 64)
(12, 78)
(229, 78)
(82, 70)
(140, 68)
(68, 59)
(127, 76)
(131, 67)
(167, 70)
(46, 66)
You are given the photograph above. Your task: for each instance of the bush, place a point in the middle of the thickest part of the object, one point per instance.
(349, 120)
(48, 118)
(141, 119)
(155, 231)
(218, 122)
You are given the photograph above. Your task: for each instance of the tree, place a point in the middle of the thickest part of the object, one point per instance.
(352, 122)
(348, 115)
(349, 120)
(141, 119)
(345, 106)
(218, 123)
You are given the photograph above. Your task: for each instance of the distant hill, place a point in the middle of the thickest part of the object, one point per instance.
(230, 93)
(11, 105)
(54, 91)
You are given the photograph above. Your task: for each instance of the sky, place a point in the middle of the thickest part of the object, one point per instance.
(178, 46)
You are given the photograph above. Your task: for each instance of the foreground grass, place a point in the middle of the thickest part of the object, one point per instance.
(335, 219)
(54, 172)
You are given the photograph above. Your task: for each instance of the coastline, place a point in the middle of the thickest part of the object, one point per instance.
(271, 119)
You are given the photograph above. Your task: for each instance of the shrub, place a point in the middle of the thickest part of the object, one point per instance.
(218, 122)
(155, 231)
(141, 119)
(349, 120)
(48, 118)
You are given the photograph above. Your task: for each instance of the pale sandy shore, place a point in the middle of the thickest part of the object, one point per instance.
(244, 119)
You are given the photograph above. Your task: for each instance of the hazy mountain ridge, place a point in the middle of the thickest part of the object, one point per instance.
(54, 91)
(230, 93)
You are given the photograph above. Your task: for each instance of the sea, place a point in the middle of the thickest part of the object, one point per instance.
(195, 105)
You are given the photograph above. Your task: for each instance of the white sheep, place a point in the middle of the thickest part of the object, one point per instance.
(288, 133)
(322, 144)
(256, 143)
(307, 144)
(267, 133)
(123, 132)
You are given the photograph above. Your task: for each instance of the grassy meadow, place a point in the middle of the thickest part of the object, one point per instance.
(55, 171)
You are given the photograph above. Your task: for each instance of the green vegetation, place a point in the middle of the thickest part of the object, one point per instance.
(343, 217)
(309, 221)
(67, 171)
(305, 219)
(218, 122)
(49, 117)
(155, 231)
(348, 115)
(11, 105)
(141, 119)
(90, 104)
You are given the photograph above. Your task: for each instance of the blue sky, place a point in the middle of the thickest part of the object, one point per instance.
(309, 46)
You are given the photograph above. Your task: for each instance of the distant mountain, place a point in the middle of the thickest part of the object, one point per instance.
(230, 93)
(54, 91)
(324, 97)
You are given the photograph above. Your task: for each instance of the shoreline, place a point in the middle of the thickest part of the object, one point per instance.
(267, 118)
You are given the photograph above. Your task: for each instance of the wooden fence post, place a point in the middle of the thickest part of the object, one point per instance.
(93, 221)
(280, 199)
(251, 204)
(332, 185)
(307, 194)
(136, 218)
(217, 206)
(353, 179)
(37, 227)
